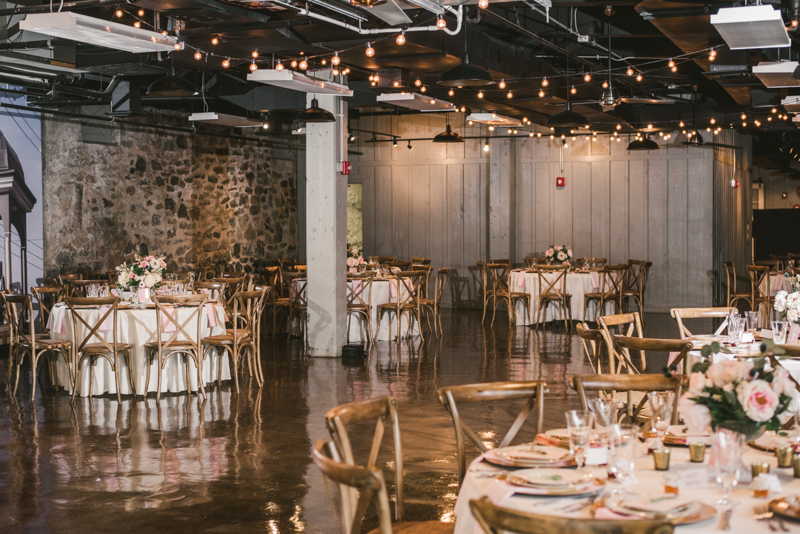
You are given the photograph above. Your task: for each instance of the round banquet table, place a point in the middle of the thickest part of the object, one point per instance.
(138, 327)
(480, 480)
(578, 284)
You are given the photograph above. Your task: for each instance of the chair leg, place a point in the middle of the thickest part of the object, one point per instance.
(33, 376)
(116, 376)
(77, 372)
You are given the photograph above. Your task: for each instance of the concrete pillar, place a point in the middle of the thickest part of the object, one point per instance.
(23, 254)
(502, 198)
(5, 215)
(326, 233)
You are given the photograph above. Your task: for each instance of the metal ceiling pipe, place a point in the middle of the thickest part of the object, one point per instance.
(45, 8)
(34, 83)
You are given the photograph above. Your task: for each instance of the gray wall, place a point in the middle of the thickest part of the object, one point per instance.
(436, 201)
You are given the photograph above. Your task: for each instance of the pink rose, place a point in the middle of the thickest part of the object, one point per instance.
(131, 276)
(725, 372)
(696, 416)
(549, 252)
(143, 264)
(697, 382)
(758, 400)
(565, 262)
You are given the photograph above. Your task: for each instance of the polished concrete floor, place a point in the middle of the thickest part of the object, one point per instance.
(241, 463)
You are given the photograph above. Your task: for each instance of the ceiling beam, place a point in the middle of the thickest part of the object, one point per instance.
(237, 27)
(231, 9)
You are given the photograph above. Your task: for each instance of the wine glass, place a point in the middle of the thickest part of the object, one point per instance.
(779, 331)
(661, 411)
(753, 319)
(727, 447)
(579, 426)
(622, 439)
(605, 410)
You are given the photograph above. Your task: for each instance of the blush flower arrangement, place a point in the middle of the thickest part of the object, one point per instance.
(559, 253)
(354, 258)
(747, 396)
(142, 272)
(788, 304)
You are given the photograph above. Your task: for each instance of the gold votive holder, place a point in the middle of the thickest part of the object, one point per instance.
(697, 452)
(661, 459)
(759, 467)
(784, 455)
(796, 465)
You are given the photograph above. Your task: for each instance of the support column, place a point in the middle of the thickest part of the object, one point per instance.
(502, 199)
(23, 254)
(5, 215)
(326, 233)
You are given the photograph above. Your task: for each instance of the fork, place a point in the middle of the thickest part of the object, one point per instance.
(764, 513)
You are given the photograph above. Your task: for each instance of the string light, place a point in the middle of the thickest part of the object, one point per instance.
(450, 92)
(605, 84)
(491, 128)
(572, 90)
(397, 84)
(502, 84)
(423, 89)
(119, 13)
(441, 23)
(164, 33)
(480, 94)
(541, 93)
(671, 63)
(629, 72)
(254, 54)
(486, 146)
(198, 56)
(279, 66)
(137, 24)
(649, 126)
(335, 60)
(510, 95)
(226, 63)
(769, 119)
(140, 12)
(483, 4)
(346, 71)
(713, 120)
(681, 124)
(335, 71)
(401, 38)
(417, 82)
(744, 116)
(253, 66)
(794, 24)
(774, 110)
(545, 83)
(674, 68)
(587, 77)
(303, 64)
(177, 46)
(370, 51)
(712, 55)
(215, 41)
(538, 134)
(619, 126)
(639, 78)
(293, 64)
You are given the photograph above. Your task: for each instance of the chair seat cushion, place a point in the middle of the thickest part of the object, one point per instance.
(419, 527)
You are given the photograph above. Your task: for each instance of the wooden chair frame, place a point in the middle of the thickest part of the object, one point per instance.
(609, 292)
(549, 294)
(359, 305)
(593, 343)
(47, 297)
(488, 291)
(759, 273)
(415, 260)
(433, 307)
(732, 295)
(501, 291)
(407, 301)
(634, 284)
(679, 314)
(298, 302)
(381, 260)
(617, 361)
(451, 396)
(66, 281)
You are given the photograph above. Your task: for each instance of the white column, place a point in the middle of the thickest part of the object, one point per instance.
(502, 199)
(326, 234)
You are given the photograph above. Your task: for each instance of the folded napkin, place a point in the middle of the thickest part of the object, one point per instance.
(541, 452)
(168, 326)
(605, 513)
(682, 431)
(352, 270)
(659, 503)
(58, 327)
(520, 280)
(211, 315)
(114, 292)
(777, 284)
(393, 288)
(108, 323)
(543, 439)
(595, 276)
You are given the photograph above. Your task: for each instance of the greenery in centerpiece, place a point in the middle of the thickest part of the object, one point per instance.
(142, 272)
(559, 253)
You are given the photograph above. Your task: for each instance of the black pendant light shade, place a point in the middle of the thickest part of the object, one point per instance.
(695, 140)
(567, 119)
(643, 144)
(465, 75)
(171, 85)
(448, 136)
(315, 114)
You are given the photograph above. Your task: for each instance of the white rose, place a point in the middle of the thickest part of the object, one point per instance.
(122, 280)
(792, 316)
(561, 256)
(726, 372)
(780, 301)
(793, 300)
(569, 252)
(149, 280)
(697, 382)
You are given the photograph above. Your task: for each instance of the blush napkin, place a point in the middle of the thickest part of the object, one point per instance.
(108, 323)
(168, 326)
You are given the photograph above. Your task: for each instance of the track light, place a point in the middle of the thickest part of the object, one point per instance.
(409, 146)
(370, 51)
(394, 143)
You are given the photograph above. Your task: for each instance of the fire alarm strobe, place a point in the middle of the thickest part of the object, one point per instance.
(346, 167)
(560, 181)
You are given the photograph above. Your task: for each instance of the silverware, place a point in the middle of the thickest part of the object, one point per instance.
(725, 520)
(763, 513)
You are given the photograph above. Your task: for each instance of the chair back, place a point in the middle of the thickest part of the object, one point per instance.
(771, 264)
(496, 520)
(19, 312)
(298, 286)
(409, 288)
(233, 285)
(382, 259)
(66, 281)
(420, 261)
(759, 274)
(366, 483)
(402, 265)
(247, 308)
(382, 410)
(600, 262)
(677, 348)
(167, 314)
(450, 397)
(214, 290)
(47, 297)
(359, 290)
(80, 287)
(552, 279)
(427, 269)
(593, 343)
(679, 314)
(628, 384)
(634, 275)
(628, 324)
(730, 279)
(484, 276)
(500, 273)
(610, 283)
(441, 280)
(107, 309)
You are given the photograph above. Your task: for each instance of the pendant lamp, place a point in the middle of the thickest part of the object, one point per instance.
(314, 114)
(171, 85)
(643, 144)
(465, 75)
(567, 119)
(448, 136)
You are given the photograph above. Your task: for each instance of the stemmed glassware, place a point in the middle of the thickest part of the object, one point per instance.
(661, 412)
(753, 319)
(605, 411)
(727, 447)
(735, 327)
(779, 331)
(580, 426)
(622, 440)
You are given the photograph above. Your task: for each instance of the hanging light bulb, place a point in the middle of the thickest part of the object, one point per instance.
(450, 92)
(423, 89)
(671, 63)
(587, 77)
(649, 126)
(483, 4)
(401, 38)
(638, 77)
(177, 46)
(674, 68)
(538, 134)
(394, 143)
(572, 90)
(370, 51)
(681, 124)
(619, 126)
(279, 66)
(335, 71)
(137, 24)
(486, 146)
(545, 83)
(541, 93)
(712, 55)
(463, 109)
(744, 116)
(293, 64)
(198, 56)
(502, 84)
(226, 63)
(164, 33)
(769, 119)
(303, 64)
(510, 95)
(119, 13)
(324, 61)
(480, 94)
(253, 66)
(409, 145)
(373, 83)
(713, 120)
(254, 54)
(491, 128)
(441, 23)
(396, 84)
(140, 12)
(629, 72)
(510, 130)
(346, 71)
(417, 82)
(605, 84)
(335, 60)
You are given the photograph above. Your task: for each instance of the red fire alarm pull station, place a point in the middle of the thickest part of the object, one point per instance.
(560, 181)
(346, 167)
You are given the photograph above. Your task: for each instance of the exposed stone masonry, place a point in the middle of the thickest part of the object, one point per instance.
(204, 201)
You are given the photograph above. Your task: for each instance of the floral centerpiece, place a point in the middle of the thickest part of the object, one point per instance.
(746, 396)
(354, 258)
(788, 304)
(143, 272)
(559, 254)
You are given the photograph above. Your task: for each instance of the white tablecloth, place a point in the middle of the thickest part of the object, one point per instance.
(477, 483)
(578, 284)
(138, 327)
(381, 294)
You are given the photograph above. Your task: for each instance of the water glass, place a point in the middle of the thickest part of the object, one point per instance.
(135, 299)
(727, 447)
(735, 327)
(661, 412)
(91, 290)
(753, 319)
(605, 410)
(779, 331)
(580, 426)
(622, 440)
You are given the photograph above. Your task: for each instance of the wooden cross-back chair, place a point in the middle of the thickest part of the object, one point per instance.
(66, 281)
(382, 410)
(94, 345)
(427, 269)
(179, 342)
(407, 302)
(214, 290)
(593, 344)
(416, 260)
(359, 302)
(610, 385)
(628, 324)
(450, 397)
(47, 297)
(501, 260)
(732, 294)
(501, 292)
(609, 291)
(761, 296)
(679, 314)
(634, 284)
(360, 486)
(402, 265)
(382, 259)
(677, 348)
(494, 519)
(23, 341)
(771, 264)
(232, 285)
(298, 302)
(552, 280)
(488, 291)
(433, 307)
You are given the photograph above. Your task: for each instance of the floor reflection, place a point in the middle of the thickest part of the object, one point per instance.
(242, 461)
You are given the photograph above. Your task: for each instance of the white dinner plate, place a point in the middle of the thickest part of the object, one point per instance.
(632, 504)
(548, 477)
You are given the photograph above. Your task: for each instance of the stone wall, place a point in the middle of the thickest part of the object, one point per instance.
(204, 201)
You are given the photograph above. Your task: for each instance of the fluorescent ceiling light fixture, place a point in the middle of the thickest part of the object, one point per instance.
(77, 27)
(224, 119)
(342, 10)
(493, 119)
(428, 5)
(748, 27)
(298, 82)
(791, 104)
(415, 101)
(775, 74)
